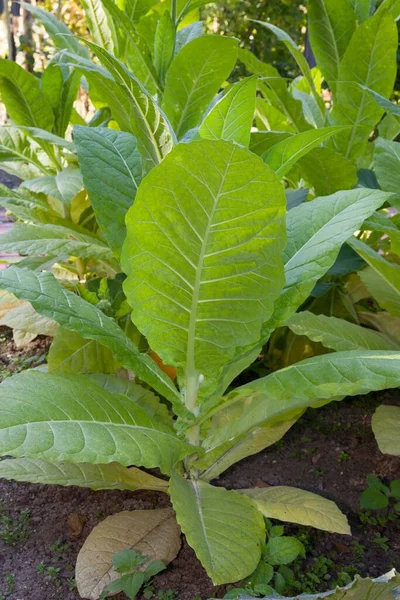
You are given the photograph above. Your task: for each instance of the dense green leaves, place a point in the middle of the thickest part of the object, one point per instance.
(216, 522)
(209, 222)
(49, 298)
(112, 170)
(194, 77)
(71, 418)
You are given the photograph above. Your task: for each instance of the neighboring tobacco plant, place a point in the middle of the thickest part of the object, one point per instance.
(213, 264)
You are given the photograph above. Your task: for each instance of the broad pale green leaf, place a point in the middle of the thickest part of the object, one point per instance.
(71, 353)
(112, 170)
(338, 334)
(194, 77)
(232, 117)
(62, 37)
(308, 383)
(100, 25)
(387, 164)
(381, 278)
(331, 24)
(187, 34)
(149, 125)
(71, 418)
(20, 92)
(164, 45)
(284, 155)
(64, 186)
(298, 57)
(370, 60)
(209, 223)
(386, 427)
(327, 171)
(25, 318)
(14, 146)
(50, 299)
(110, 476)
(298, 506)
(316, 231)
(53, 239)
(386, 587)
(223, 527)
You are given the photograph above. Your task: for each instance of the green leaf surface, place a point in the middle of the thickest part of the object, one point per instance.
(71, 353)
(112, 476)
(100, 25)
(15, 146)
(232, 117)
(187, 34)
(135, 9)
(61, 95)
(194, 77)
(338, 334)
(386, 427)
(331, 25)
(373, 499)
(209, 222)
(20, 92)
(49, 298)
(46, 136)
(223, 527)
(387, 164)
(316, 231)
(387, 105)
(62, 37)
(111, 170)
(284, 155)
(362, 8)
(392, 7)
(164, 45)
(64, 186)
(327, 171)
(284, 550)
(293, 505)
(382, 279)
(370, 60)
(306, 384)
(71, 418)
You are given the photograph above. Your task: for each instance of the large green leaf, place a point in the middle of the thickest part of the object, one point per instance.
(26, 239)
(331, 25)
(232, 117)
(49, 298)
(20, 92)
(194, 77)
(386, 427)
(223, 527)
(308, 383)
(283, 155)
(338, 334)
(203, 255)
(71, 353)
(370, 59)
(381, 278)
(71, 418)
(112, 169)
(387, 164)
(64, 186)
(112, 476)
(298, 506)
(316, 232)
(62, 37)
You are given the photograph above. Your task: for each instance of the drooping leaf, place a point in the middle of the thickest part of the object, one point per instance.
(110, 476)
(64, 186)
(338, 334)
(164, 45)
(50, 299)
(293, 505)
(387, 164)
(370, 59)
(71, 353)
(20, 92)
(194, 77)
(283, 155)
(71, 418)
(232, 117)
(151, 533)
(112, 170)
(62, 37)
(216, 522)
(221, 254)
(25, 318)
(331, 25)
(386, 427)
(304, 384)
(382, 278)
(316, 232)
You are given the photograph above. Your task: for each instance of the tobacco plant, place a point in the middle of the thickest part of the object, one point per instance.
(213, 264)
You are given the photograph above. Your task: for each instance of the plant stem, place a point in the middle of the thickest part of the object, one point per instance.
(174, 11)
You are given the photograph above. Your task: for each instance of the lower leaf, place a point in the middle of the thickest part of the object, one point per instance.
(386, 427)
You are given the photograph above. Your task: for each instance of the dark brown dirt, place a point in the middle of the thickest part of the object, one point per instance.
(310, 456)
(13, 360)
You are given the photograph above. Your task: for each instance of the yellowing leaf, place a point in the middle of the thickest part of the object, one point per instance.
(153, 533)
(386, 427)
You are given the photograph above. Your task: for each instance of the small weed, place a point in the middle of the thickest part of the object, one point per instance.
(15, 530)
(381, 541)
(358, 550)
(128, 563)
(10, 581)
(343, 457)
(59, 548)
(71, 584)
(150, 594)
(319, 474)
(41, 568)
